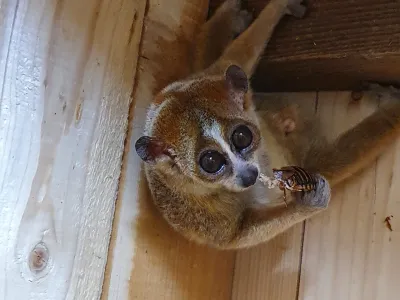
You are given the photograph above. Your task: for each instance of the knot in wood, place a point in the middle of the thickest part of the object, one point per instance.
(38, 258)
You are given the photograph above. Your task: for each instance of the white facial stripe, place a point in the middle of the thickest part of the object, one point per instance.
(215, 132)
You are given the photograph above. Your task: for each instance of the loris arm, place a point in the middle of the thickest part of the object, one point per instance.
(358, 147)
(218, 32)
(261, 226)
(246, 50)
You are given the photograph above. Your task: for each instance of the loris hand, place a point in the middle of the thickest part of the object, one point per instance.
(318, 198)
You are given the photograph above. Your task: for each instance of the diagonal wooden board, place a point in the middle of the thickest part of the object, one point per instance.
(66, 73)
(148, 260)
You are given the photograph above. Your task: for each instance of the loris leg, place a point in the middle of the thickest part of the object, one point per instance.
(259, 226)
(247, 48)
(227, 22)
(361, 145)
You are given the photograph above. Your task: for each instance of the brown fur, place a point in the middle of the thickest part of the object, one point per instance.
(212, 100)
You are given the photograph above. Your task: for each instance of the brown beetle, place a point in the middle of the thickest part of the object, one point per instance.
(295, 179)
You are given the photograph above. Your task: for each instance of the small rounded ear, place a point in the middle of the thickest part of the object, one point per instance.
(237, 79)
(150, 149)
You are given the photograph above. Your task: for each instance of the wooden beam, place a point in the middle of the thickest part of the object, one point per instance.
(337, 45)
(66, 73)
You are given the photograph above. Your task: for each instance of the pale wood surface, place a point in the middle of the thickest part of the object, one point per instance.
(269, 271)
(66, 73)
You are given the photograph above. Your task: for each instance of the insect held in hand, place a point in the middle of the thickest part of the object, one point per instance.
(295, 179)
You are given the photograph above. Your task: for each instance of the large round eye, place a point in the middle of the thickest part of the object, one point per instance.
(242, 137)
(212, 161)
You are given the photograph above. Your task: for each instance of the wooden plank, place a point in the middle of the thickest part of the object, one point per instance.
(348, 251)
(149, 260)
(271, 270)
(338, 44)
(66, 73)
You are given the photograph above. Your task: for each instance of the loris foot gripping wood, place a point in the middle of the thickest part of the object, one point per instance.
(339, 44)
(205, 146)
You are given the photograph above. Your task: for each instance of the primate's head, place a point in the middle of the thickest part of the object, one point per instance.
(206, 130)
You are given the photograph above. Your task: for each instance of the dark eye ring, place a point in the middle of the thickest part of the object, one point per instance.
(212, 161)
(242, 137)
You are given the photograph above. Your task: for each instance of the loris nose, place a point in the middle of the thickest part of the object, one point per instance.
(249, 176)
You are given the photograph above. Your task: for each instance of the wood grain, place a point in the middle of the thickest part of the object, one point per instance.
(348, 252)
(149, 260)
(338, 44)
(66, 73)
(271, 270)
